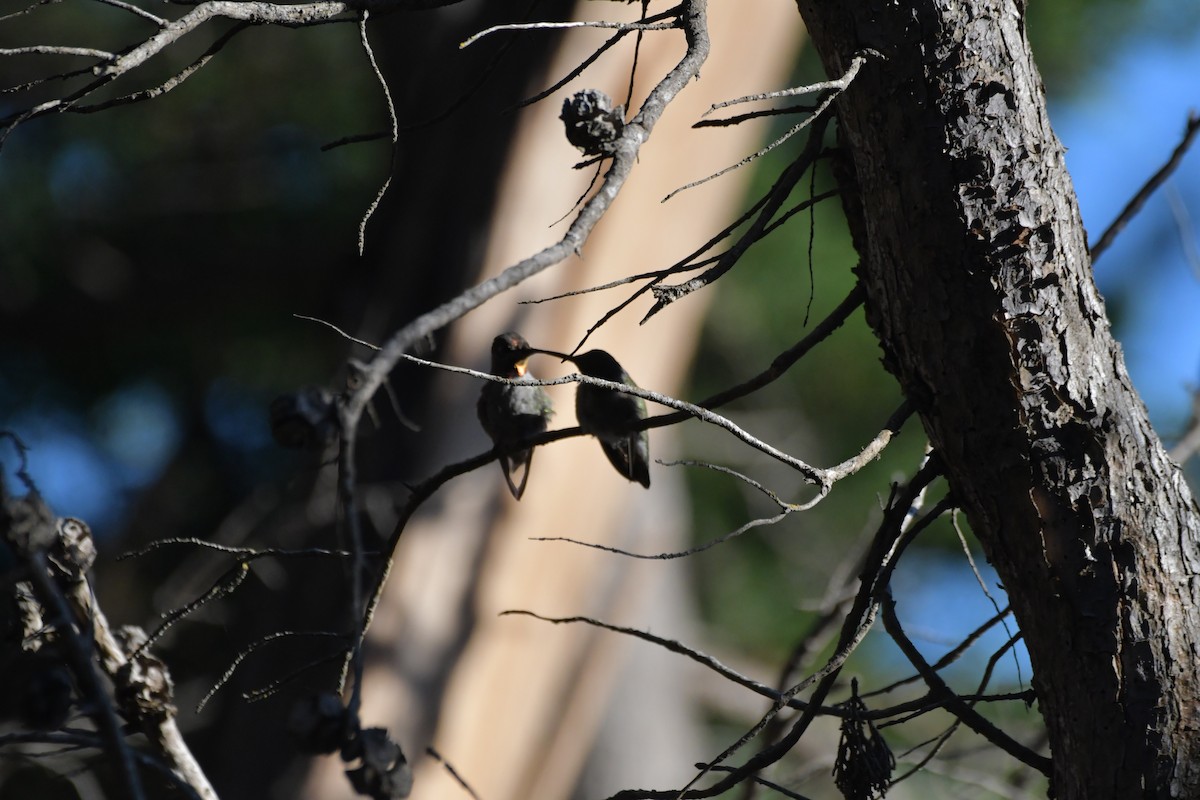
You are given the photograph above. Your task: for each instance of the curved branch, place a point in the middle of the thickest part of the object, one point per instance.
(956, 705)
(626, 148)
(695, 25)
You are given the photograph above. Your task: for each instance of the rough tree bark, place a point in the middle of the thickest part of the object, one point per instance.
(979, 286)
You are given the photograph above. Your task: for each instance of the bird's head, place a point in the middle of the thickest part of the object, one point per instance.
(594, 363)
(510, 354)
(599, 364)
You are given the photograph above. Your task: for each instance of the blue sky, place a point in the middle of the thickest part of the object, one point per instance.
(1119, 131)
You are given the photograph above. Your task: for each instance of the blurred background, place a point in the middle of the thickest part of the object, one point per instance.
(152, 259)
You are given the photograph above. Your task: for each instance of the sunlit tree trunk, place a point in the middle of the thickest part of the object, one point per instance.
(980, 289)
(516, 705)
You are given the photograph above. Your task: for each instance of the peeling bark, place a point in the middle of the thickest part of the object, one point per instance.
(979, 286)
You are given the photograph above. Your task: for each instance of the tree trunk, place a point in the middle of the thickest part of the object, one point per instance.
(522, 708)
(979, 286)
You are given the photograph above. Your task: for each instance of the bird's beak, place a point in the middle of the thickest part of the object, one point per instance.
(554, 353)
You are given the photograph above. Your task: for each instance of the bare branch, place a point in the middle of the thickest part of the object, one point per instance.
(391, 108)
(673, 646)
(242, 656)
(635, 133)
(545, 26)
(254, 12)
(837, 85)
(167, 85)
(242, 553)
(50, 49)
(969, 716)
(811, 474)
(827, 478)
(83, 667)
(951, 656)
(30, 8)
(738, 119)
(436, 756)
(225, 585)
(691, 551)
(1143, 194)
(132, 9)
(966, 548)
(879, 563)
(693, 17)
(665, 295)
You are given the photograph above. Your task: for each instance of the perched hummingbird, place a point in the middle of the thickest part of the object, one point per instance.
(511, 413)
(610, 416)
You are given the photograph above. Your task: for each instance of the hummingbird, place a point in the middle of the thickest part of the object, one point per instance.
(511, 413)
(610, 416)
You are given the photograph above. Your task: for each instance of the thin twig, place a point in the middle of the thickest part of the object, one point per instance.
(738, 119)
(758, 779)
(549, 26)
(1135, 205)
(132, 9)
(83, 666)
(693, 19)
(578, 69)
(825, 478)
(951, 656)
(436, 756)
(691, 551)
(391, 109)
(687, 264)
(171, 83)
(672, 646)
(262, 693)
(243, 655)
(242, 553)
(969, 716)
(30, 8)
(50, 49)
(885, 551)
(351, 525)
(224, 586)
(812, 474)
(966, 548)
(838, 85)
(834, 87)
(665, 295)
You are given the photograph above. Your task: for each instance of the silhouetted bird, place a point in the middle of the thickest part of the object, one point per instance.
(610, 416)
(511, 413)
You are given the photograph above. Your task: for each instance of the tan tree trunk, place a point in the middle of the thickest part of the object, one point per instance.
(979, 286)
(516, 704)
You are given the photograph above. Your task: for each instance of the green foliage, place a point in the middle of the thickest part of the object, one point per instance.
(830, 404)
(1072, 38)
